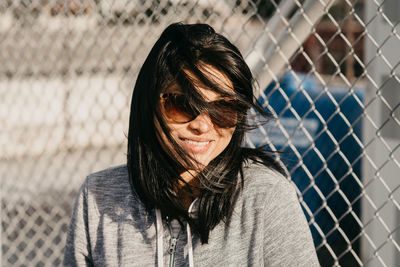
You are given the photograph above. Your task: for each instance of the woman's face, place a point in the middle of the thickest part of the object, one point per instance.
(200, 137)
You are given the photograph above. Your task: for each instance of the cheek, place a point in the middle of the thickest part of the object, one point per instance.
(229, 133)
(175, 130)
(166, 144)
(225, 138)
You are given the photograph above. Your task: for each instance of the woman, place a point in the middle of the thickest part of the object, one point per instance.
(190, 194)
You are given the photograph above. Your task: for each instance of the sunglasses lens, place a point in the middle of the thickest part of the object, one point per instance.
(178, 108)
(223, 113)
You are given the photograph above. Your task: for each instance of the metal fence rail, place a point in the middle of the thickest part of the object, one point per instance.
(327, 71)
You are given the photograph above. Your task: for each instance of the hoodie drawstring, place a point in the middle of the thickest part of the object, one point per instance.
(160, 249)
(159, 230)
(189, 233)
(190, 252)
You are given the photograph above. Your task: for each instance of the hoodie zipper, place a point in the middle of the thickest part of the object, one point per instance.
(172, 245)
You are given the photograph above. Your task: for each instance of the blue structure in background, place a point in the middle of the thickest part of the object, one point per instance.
(335, 166)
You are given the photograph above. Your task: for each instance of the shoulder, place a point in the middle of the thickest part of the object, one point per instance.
(112, 178)
(259, 178)
(265, 189)
(116, 172)
(109, 186)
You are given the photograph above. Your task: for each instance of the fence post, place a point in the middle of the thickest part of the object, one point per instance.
(380, 214)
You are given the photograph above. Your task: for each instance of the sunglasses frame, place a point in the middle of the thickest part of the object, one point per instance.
(164, 97)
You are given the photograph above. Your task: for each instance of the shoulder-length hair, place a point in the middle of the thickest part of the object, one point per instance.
(179, 57)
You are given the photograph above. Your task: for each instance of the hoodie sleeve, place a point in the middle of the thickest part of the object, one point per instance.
(77, 249)
(287, 236)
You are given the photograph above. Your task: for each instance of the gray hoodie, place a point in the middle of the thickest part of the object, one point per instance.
(111, 227)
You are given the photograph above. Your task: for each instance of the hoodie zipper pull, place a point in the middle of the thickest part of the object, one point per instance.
(172, 245)
(171, 251)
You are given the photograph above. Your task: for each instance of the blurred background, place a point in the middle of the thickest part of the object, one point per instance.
(326, 69)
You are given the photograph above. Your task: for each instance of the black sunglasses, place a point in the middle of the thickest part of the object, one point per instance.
(223, 112)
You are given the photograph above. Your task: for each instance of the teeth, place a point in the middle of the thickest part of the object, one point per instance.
(196, 143)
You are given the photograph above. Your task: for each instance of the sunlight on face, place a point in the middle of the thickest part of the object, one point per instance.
(200, 137)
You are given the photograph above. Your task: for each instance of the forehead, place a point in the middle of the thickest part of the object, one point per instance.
(214, 75)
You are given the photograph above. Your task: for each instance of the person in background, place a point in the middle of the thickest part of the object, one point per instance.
(190, 193)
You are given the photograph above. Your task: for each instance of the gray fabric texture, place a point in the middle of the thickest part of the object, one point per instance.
(110, 226)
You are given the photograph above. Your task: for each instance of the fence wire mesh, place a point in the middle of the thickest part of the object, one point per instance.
(327, 72)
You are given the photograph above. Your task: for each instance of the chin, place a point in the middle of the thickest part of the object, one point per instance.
(201, 162)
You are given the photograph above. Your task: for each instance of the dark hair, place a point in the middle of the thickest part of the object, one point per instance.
(155, 171)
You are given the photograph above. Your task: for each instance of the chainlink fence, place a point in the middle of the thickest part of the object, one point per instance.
(327, 71)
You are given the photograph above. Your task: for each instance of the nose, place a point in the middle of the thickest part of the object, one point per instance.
(201, 124)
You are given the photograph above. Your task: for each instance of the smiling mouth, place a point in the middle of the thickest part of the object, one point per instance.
(197, 143)
(196, 146)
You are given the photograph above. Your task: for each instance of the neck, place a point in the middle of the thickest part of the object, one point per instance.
(188, 191)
